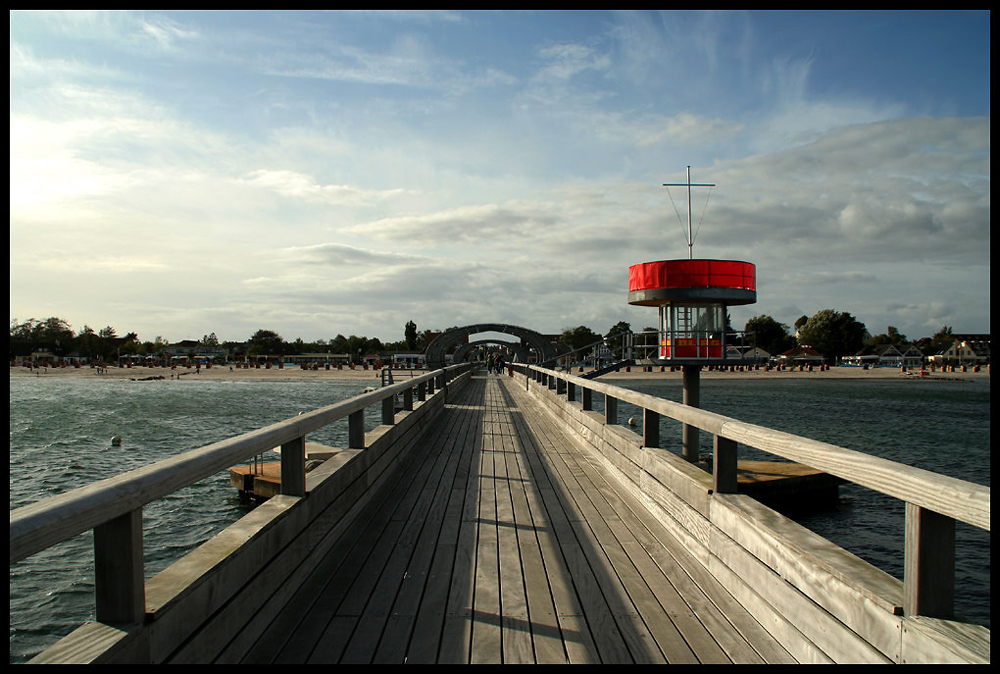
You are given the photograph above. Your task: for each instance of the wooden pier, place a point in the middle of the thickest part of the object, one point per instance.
(502, 519)
(502, 542)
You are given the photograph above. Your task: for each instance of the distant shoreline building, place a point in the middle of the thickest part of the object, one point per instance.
(964, 349)
(887, 355)
(190, 348)
(802, 355)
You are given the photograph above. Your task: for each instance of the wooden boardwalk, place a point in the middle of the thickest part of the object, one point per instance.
(501, 541)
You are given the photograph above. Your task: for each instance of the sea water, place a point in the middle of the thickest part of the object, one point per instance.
(61, 430)
(60, 439)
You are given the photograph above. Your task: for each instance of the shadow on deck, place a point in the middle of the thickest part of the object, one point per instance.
(501, 540)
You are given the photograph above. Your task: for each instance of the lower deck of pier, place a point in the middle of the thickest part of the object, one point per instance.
(504, 541)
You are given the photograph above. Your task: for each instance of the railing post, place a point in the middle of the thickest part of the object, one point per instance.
(928, 564)
(389, 410)
(691, 435)
(588, 399)
(570, 391)
(650, 428)
(356, 430)
(610, 409)
(293, 467)
(724, 466)
(408, 400)
(120, 591)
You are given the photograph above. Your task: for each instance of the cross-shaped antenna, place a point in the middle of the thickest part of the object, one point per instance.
(689, 185)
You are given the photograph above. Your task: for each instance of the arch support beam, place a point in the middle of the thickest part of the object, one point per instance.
(436, 350)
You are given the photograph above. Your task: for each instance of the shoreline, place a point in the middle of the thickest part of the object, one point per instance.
(274, 374)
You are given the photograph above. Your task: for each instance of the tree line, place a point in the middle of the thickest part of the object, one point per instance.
(832, 333)
(835, 334)
(56, 336)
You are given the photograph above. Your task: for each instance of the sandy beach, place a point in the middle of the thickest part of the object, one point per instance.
(216, 372)
(289, 373)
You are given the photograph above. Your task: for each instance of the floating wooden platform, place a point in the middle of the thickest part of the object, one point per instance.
(785, 486)
(262, 480)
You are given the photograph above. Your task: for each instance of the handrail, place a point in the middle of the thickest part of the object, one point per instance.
(40, 525)
(961, 500)
(112, 508)
(933, 501)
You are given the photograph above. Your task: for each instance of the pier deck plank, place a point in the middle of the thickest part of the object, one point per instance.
(502, 541)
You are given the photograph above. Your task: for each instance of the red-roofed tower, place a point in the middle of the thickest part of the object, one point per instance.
(693, 296)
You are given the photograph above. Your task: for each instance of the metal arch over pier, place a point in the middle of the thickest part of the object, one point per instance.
(437, 349)
(520, 353)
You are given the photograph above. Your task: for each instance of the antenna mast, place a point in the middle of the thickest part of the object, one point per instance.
(689, 185)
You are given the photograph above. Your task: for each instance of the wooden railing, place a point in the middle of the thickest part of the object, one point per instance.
(934, 502)
(112, 508)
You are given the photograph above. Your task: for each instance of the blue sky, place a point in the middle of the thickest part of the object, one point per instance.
(324, 173)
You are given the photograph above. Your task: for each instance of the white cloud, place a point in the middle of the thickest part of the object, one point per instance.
(686, 129)
(297, 185)
(337, 255)
(485, 225)
(513, 181)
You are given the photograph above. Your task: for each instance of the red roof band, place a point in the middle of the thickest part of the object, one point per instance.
(692, 274)
(731, 281)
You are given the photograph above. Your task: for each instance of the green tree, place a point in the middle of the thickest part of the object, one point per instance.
(88, 343)
(339, 344)
(770, 335)
(942, 338)
(266, 342)
(833, 333)
(616, 338)
(579, 337)
(357, 347)
(410, 335)
(892, 335)
(52, 334)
